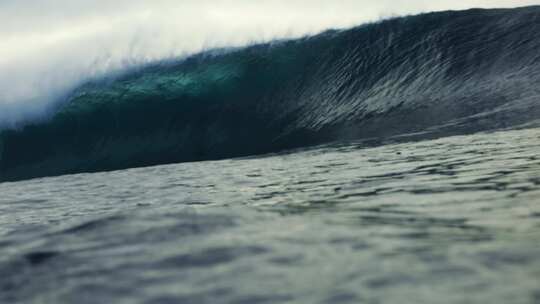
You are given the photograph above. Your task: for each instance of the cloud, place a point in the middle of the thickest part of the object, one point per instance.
(50, 46)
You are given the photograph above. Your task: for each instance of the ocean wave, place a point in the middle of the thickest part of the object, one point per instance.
(430, 75)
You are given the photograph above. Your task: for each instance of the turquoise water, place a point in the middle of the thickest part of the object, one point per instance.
(453, 220)
(439, 74)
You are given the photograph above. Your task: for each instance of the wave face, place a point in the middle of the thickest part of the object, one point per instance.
(429, 75)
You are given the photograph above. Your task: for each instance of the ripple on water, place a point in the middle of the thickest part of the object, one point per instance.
(456, 218)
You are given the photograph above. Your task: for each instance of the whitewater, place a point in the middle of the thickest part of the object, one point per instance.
(436, 74)
(393, 162)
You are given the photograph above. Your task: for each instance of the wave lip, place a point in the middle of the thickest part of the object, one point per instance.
(431, 74)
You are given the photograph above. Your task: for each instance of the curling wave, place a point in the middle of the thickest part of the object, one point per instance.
(428, 75)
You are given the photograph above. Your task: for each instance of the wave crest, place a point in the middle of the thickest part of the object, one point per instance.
(432, 74)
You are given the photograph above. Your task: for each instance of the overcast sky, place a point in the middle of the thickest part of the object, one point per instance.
(47, 46)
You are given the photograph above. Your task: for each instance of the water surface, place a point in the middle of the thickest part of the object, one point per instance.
(453, 220)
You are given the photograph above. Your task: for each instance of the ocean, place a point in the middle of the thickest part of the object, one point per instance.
(453, 220)
(395, 162)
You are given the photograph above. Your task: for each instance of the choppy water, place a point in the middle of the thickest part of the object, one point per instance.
(454, 220)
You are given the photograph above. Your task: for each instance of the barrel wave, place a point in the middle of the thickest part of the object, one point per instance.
(423, 76)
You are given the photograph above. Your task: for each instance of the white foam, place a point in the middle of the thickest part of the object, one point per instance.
(48, 47)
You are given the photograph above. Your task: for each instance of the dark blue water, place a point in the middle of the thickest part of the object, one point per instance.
(415, 179)
(433, 75)
(454, 220)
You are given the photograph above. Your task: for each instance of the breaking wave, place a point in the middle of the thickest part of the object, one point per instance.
(428, 75)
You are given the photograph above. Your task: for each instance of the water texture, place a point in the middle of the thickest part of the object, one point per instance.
(395, 162)
(433, 75)
(453, 220)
